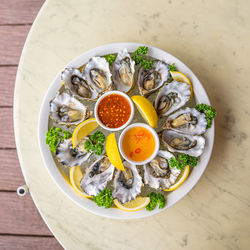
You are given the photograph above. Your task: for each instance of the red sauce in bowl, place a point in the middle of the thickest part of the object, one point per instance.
(114, 110)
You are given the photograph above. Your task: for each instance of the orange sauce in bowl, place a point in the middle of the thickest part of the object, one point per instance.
(138, 144)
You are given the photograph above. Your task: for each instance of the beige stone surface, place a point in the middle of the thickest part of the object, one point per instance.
(212, 38)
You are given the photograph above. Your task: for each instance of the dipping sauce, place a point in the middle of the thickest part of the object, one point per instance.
(138, 144)
(114, 110)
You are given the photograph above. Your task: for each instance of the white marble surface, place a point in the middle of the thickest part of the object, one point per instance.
(213, 38)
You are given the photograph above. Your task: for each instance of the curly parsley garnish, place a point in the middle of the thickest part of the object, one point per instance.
(139, 56)
(104, 198)
(110, 58)
(172, 67)
(154, 200)
(183, 160)
(208, 111)
(95, 143)
(55, 136)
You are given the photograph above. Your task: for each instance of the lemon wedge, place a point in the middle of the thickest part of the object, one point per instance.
(75, 176)
(146, 109)
(180, 77)
(179, 181)
(82, 130)
(113, 152)
(134, 205)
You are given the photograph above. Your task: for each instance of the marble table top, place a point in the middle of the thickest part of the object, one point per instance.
(212, 38)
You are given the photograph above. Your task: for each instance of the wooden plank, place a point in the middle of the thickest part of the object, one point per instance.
(18, 215)
(6, 128)
(10, 175)
(9, 242)
(12, 39)
(7, 83)
(19, 11)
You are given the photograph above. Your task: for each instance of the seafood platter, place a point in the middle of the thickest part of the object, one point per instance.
(126, 130)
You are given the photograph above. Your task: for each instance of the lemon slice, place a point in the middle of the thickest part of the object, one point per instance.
(179, 181)
(75, 176)
(146, 109)
(113, 152)
(82, 130)
(134, 205)
(180, 77)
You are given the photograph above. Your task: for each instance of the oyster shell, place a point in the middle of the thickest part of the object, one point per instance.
(97, 176)
(76, 83)
(189, 121)
(183, 143)
(172, 97)
(66, 109)
(127, 184)
(123, 70)
(152, 79)
(98, 74)
(69, 156)
(158, 173)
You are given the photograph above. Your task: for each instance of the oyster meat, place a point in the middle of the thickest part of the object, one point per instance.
(67, 155)
(97, 176)
(189, 121)
(123, 70)
(172, 97)
(127, 184)
(76, 83)
(152, 79)
(66, 109)
(183, 143)
(98, 74)
(158, 173)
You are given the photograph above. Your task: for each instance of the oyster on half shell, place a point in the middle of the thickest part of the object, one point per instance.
(127, 184)
(172, 97)
(183, 143)
(189, 121)
(123, 70)
(66, 109)
(152, 79)
(158, 173)
(97, 176)
(76, 83)
(67, 155)
(98, 75)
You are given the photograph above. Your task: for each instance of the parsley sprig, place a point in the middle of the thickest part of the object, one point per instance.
(209, 112)
(104, 198)
(183, 160)
(55, 136)
(110, 59)
(95, 143)
(172, 67)
(154, 200)
(139, 56)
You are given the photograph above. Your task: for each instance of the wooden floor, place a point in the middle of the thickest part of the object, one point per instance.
(21, 226)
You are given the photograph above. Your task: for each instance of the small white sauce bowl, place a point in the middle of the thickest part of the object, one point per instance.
(157, 143)
(131, 107)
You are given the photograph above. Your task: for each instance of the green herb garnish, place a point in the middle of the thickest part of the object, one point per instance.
(172, 67)
(183, 160)
(161, 200)
(154, 200)
(208, 111)
(104, 198)
(139, 56)
(95, 143)
(55, 136)
(110, 58)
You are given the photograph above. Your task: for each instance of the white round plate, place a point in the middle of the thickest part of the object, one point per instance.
(173, 197)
